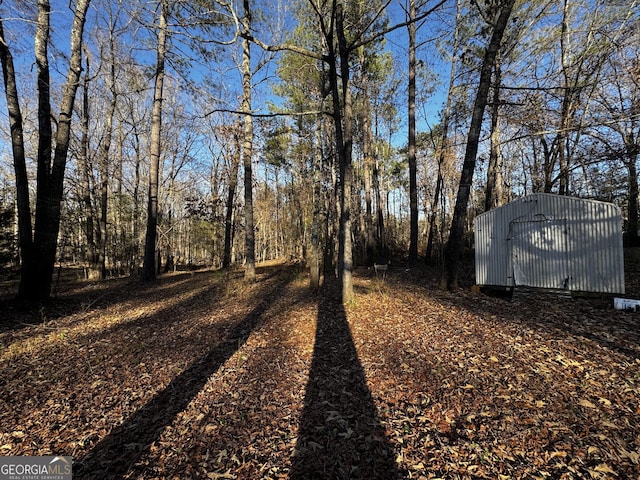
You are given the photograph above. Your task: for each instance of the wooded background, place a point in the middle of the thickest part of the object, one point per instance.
(139, 137)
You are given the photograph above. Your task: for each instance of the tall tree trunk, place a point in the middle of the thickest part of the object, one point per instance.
(36, 277)
(120, 230)
(233, 184)
(314, 254)
(368, 161)
(247, 151)
(456, 233)
(632, 149)
(169, 234)
(493, 192)
(567, 101)
(444, 141)
(278, 243)
(25, 238)
(381, 235)
(149, 264)
(105, 148)
(31, 287)
(344, 139)
(46, 229)
(331, 207)
(134, 259)
(85, 177)
(413, 164)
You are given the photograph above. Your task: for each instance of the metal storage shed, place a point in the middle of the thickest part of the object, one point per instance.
(553, 242)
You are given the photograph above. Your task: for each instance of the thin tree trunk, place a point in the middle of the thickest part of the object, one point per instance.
(632, 207)
(567, 101)
(120, 230)
(149, 265)
(25, 238)
(279, 245)
(314, 254)
(233, 184)
(332, 211)
(456, 233)
(381, 205)
(85, 176)
(135, 233)
(104, 161)
(444, 141)
(493, 192)
(368, 161)
(549, 162)
(413, 164)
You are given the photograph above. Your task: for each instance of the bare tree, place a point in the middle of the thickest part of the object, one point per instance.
(493, 191)
(149, 265)
(247, 150)
(444, 138)
(413, 164)
(234, 164)
(38, 251)
(454, 244)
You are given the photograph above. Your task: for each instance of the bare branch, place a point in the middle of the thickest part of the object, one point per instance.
(284, 47)
(266, 115)
(386, 31)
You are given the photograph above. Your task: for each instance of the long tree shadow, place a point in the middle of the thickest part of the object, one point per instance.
(83, 296)
(340, 434)
(589, 317)
(119, 451)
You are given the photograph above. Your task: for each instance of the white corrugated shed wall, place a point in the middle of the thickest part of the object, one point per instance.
(557, 242)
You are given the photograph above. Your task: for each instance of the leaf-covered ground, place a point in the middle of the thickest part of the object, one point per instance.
(203, 376)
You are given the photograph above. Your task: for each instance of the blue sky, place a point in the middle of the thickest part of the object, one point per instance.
(20, 33)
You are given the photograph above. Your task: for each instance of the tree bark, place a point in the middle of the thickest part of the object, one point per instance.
(343, 119)
(444, 141)
(314, 254)
(134, 258)
(369, 230)
(149, 264)
(25, 238)
(247, 152)
(632, 151)
(34, 286)
(413, 164)
(86, 200)
(456, 233)
(39, 257)
(231, 193)
(105, 148)
(493, 191)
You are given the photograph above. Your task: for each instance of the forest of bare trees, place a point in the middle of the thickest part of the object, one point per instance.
(141, 137)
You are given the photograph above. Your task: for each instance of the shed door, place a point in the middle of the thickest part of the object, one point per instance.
(539, 254)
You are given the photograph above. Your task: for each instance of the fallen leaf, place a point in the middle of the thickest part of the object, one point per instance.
(218, 476)
(586, 403)
(604, 468)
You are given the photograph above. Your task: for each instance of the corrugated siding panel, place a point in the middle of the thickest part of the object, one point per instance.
(492, 262)
(539, 253)
(593, 242)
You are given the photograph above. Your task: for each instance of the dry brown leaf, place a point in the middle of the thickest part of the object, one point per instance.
(586, 403)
